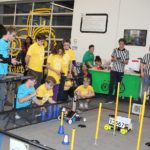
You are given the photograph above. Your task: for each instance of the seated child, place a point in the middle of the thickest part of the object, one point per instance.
(45, 91)
(84, 91)
(27, 94)
(98, 63)
(68, 88)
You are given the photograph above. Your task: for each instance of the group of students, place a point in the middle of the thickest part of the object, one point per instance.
(60, 65)
(28, 95)
(59, 81)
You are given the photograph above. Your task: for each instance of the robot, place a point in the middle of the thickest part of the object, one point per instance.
(71, 116)
(123, 124)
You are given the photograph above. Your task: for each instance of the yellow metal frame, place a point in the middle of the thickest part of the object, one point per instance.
(35, 30)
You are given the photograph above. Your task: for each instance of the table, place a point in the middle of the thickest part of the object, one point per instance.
(131, 83)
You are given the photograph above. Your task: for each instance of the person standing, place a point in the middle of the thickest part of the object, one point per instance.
(88, 61)
(7, 36)
(35, 58)
(145, 73)
(54, 66)
(67, 65)
(120, 58)
(21, 56)
(88, 57)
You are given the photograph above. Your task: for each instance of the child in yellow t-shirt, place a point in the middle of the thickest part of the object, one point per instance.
(84, 91)
(54, 66)
(68, 58)
(68, 88)
(45, 91)
(35, 58)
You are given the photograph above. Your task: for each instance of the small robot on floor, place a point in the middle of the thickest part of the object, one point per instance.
(71, 116)
(123, 124)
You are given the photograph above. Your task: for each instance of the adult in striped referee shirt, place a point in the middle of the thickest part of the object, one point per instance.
(145, 73)
(119, 58)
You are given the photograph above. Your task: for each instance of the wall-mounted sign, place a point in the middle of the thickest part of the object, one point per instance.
(135, 37)
(94, 23)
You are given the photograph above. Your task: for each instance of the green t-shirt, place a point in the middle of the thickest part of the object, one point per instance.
(88, 57)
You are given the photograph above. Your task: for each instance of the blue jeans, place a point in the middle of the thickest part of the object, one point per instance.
(3, 93)
(145, 85)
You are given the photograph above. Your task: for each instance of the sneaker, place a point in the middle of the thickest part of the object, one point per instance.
(52, 101)
(86, 106)
(17, 117)
(108, 102)
(81, 105)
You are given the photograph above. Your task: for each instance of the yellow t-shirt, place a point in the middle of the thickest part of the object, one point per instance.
(84, 91)
(43, 93)
(36, 54)
(68, 85)
(65, 63)
(56, 62)
(67, 58)
(71, 54)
